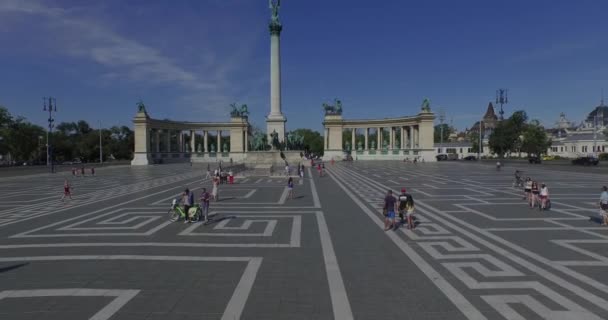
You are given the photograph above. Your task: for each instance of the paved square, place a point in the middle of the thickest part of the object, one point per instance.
(478, 252)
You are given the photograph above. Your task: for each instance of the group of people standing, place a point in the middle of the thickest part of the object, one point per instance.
(536, 194)
(187, 200)
(403, 204)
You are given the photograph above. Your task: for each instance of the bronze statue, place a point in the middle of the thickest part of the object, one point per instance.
(426, 105)
(140, 106)
(274, 10)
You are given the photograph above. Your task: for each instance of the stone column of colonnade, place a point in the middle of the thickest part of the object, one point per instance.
(157, 141)
(392, 138)
(192, 141)
(219, 141)
(205, 141)
(353, 139)
(378, 138)
(366, 139)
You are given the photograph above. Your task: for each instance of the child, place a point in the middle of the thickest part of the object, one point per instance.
(66, 190)
(290, 188)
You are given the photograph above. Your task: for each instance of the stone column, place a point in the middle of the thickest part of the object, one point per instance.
(192, 141)
(219, 141)
(417, 136)
(141, 154)
(402, 138)
(379, 139)
(157, 141)
(180, 141)
(411, 137)
(275, 120)
(366, 138)
(205, 148)
(354, 141)
(392, 138)
(168, 140)
(325, 139)
(246, 140)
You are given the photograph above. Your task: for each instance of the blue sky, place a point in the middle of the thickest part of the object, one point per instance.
(188, 60)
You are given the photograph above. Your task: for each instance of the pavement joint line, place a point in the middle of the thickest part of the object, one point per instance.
(78, 205)
(235, 305)
(26, 233)
(122, 297)
(464, 305)
(592, 298)
(339, 297)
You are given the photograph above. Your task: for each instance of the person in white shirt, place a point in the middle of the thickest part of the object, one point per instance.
(544, 196)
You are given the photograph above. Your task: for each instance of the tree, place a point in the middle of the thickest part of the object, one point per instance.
(535, 140)
(22, 139)
(446, 132)
(502, 139)
(313, 141)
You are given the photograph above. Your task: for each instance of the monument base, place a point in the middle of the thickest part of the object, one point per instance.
(276, 123)
(141, 159)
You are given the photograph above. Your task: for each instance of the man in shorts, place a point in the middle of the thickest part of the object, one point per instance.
(390, 204)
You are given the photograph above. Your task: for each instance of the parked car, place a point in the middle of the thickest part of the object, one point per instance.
(548, 158)
(586, 161)
(441, 157)
(470, 158)
(534, 159)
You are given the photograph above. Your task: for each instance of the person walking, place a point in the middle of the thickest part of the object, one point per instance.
(208, 172)
(320, 170)
(535, 192)
(389, 208)
(82, 171)
(67, 190)
(406, 206)
(528, 190)
(604, 205)
(93, 171)
(230, 177)
(187, 204)
(214, 192)
(73, 172)
(204, 199)
(290, 194)
(544, 197)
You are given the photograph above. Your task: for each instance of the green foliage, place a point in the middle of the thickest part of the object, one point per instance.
(447, 130)
(517, 134)
(313, 141)
(22, 140)
(535, 140)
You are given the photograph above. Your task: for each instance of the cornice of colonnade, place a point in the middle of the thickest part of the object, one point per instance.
(384, 122)
(201, 126)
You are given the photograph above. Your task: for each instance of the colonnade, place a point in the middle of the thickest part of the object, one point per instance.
(195, 141)
(408, 137)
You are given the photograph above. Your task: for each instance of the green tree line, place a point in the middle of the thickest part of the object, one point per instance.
(22, 141)
(518, 134)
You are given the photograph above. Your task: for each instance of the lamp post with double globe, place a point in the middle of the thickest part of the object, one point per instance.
(50, 108)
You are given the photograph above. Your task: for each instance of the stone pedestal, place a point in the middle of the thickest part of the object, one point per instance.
(141, 154)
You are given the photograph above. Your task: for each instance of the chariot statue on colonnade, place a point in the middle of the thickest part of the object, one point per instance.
(241, 111)
(335, 109)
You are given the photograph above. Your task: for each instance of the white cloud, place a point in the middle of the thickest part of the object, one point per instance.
(126, 59)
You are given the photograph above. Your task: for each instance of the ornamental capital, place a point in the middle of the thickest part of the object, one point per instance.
(275, 28)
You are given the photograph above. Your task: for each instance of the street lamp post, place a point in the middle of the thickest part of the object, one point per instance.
(100, 146)
(480, 142)
(51, 107)
(441, 120)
